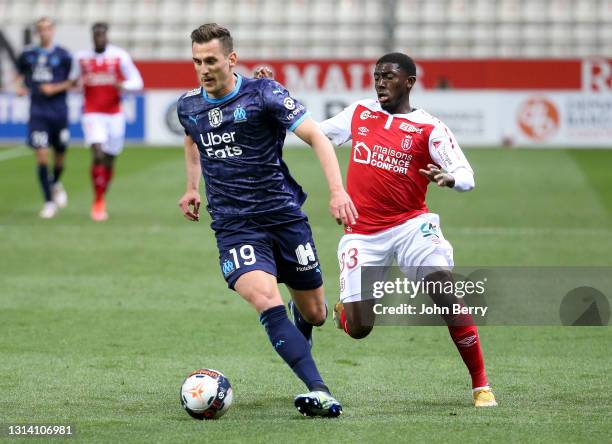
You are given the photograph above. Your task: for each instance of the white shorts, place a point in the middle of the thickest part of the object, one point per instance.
(105, 129)
(416, 243)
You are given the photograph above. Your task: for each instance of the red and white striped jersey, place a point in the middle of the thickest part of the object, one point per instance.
(100, 75)
(388, 150)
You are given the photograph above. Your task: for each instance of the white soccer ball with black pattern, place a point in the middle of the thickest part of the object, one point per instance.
(206, 394)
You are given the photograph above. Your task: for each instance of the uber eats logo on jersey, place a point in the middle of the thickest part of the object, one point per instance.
(212, 140)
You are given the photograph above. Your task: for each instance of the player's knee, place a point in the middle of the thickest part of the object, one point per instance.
(98, 154)
(437, 293)
(315, 315)
(359, 319)
(358, 331)
(262, 299)
(261, 296)
(108, 160)
(42, 157)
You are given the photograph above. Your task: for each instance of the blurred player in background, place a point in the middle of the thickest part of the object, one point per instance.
(235, 130)
(397, 150)
(105, 72)
(43, 71)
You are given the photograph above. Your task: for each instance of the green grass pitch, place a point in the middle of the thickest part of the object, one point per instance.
(100, 323)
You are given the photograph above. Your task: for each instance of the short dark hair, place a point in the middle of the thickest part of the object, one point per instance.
(100, 25)
(405, 62)
(210, 31)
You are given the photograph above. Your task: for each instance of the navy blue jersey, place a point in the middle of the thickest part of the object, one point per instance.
(240, 138)
(39, 65)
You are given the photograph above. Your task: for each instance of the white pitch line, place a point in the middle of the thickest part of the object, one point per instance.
(12, 153)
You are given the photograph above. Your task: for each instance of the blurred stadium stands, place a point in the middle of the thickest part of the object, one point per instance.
(152, 29)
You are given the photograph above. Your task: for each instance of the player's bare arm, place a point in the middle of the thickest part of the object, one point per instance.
(51, 89)
(190, 202)
(20, 88)
(340, 204)
(438, 175)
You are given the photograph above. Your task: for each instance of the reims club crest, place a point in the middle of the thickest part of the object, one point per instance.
(407, 142)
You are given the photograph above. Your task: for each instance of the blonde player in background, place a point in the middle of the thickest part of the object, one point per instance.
(43, 70)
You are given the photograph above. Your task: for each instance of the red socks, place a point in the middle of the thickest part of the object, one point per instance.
(101, 176)
(465, 337)
(343, 321)
(468, 344)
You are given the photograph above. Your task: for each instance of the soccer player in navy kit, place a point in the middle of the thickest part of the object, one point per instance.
(41, 69)
(235, 129)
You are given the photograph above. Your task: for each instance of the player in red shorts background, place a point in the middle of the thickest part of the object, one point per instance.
(104, 72)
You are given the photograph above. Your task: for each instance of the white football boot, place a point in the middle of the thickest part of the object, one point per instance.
(49, 210)
(60, 197)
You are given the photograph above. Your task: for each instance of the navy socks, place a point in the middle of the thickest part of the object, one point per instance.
(43, 177)
(292, 346)
(302, 325)
(57, 173)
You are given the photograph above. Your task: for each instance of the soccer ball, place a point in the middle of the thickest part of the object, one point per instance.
(206, 394)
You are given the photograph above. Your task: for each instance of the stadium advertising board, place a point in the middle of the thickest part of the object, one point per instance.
(14, 114)
(593, 74)
(477, 118)
(484, 102)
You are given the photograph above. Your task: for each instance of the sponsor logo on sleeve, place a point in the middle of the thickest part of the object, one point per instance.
(289, 103)
(292, 115)
(442, 149)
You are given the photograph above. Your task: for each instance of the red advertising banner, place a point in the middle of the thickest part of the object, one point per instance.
(593, 75)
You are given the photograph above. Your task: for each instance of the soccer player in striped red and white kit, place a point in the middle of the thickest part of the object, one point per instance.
(396, 151)
(105, 72)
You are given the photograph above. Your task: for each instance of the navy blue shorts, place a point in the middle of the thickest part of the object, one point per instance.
(279, 244)
(47, 131)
